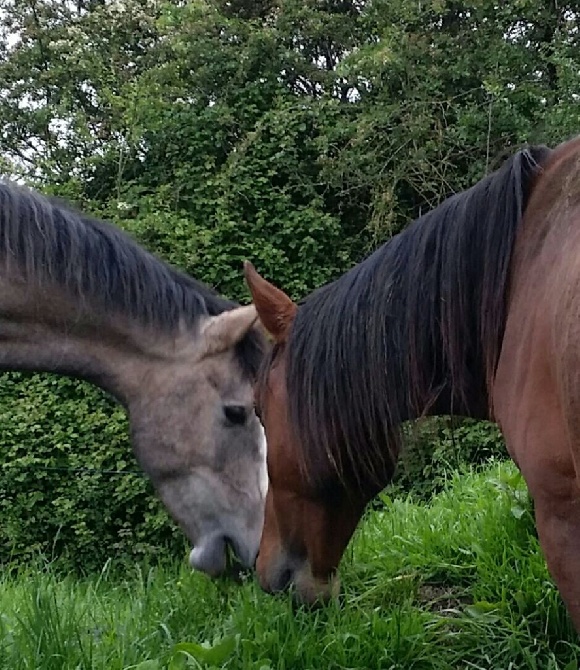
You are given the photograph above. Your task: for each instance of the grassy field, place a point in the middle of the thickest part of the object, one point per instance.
(457, 583)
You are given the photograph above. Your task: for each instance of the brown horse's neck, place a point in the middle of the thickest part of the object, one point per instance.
(44, 330)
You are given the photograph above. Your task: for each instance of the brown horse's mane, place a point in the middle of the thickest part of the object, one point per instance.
(51, 243)
(415, 327)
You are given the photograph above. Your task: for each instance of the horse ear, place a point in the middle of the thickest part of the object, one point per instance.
(275, 309)
(225, 330)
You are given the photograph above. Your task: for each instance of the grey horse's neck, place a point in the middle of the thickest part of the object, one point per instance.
(42, 329)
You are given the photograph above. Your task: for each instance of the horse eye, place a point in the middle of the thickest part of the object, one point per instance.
(236, 414)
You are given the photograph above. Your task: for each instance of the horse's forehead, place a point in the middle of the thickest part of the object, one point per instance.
(270, 392)
(277, 369)
(282, 449)
(200, 381)
(224, 369)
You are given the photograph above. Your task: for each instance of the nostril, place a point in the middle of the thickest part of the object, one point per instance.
(236, 414)
(284, 579)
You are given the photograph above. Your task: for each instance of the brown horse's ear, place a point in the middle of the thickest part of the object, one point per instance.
(275, 309)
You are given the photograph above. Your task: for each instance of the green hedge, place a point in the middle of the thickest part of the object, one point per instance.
(434, 447)
(54, 434)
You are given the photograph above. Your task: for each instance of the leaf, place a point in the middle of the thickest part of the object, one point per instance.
(208, 655)
(517, 511)
(177, 661)
(520, 601)
(150, 664)
(481, 608)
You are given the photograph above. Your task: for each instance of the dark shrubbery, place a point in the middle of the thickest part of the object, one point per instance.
(436, 446)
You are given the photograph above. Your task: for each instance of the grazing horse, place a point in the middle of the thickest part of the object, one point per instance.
(78, 297)
(473, 310)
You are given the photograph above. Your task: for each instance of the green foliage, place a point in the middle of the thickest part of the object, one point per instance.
(297, 133)
(456, 583)
(57, 436)
(435, 447)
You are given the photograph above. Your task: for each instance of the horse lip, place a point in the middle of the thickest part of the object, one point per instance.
(237, 569)
(218, 554)
(209, 555)
(241, 553)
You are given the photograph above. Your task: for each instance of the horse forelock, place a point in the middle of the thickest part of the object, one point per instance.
(416, 326)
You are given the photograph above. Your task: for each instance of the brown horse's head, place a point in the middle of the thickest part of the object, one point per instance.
(416, 328)
(307, 524)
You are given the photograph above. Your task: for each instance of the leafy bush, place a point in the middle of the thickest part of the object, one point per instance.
(56, 437)
(434, 447)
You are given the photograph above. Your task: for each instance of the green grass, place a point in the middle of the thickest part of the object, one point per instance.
(458, 583)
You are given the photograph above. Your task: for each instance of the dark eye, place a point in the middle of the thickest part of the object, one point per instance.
(236, 414)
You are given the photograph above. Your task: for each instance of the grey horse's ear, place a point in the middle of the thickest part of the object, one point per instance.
(222, 332)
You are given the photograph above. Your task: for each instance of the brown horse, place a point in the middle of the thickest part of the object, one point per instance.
(80, 298)
(473, 310)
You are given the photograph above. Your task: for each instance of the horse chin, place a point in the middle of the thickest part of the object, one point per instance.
(313, 591)
(210, 556)
(284, 574)
(218, 555)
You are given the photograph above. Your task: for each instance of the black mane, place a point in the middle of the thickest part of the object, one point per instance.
(92, 260)
(416, 327)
